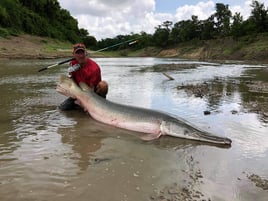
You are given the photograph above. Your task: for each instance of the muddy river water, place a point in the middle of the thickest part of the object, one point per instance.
(47, 154)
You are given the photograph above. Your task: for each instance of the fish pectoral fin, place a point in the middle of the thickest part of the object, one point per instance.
(150, 136)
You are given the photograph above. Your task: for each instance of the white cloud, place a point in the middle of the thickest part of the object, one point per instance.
(109, 18)
(244, 9)
(203, 10)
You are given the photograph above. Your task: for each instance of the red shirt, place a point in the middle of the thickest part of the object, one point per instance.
(89, 74)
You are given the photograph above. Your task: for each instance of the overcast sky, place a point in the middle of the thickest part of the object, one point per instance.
(109, 18)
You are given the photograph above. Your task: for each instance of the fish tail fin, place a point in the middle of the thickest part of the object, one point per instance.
(67, 87)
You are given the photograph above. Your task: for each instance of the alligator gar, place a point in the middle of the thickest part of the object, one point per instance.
(150, 122)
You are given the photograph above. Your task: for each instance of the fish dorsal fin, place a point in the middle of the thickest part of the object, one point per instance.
(85, 87)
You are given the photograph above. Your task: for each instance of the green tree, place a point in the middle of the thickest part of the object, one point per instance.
(90, 42)
(207, 29)
(42, 17)
(143, 40)
(223, 16)
(83, 33)
(237, 26)
(167, 25)
(3, 16)
(186, 30)
(259, 16)
(161, 36)
(11, 13)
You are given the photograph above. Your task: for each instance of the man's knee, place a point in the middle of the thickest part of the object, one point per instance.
(102, 88)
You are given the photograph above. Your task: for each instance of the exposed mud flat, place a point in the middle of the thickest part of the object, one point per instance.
(187, 190)
(259, 181)
(259, 104)
(177, 193)
(257, 87)
(199, 90)
(214, 90)
(168, 67)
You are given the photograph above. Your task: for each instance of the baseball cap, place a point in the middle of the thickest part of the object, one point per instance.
(78, 46)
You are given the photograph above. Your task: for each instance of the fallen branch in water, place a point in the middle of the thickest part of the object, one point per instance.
(168, 76)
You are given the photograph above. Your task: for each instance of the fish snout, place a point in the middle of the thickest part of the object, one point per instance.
(227, 141)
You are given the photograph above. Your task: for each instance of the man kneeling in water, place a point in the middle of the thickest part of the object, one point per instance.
(84, 69)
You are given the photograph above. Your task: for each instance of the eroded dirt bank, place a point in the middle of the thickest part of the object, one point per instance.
(26, 46)
(247, 49)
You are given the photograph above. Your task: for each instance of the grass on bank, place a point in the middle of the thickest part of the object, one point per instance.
(51, 46)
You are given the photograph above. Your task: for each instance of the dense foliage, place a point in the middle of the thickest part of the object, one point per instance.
(47, 18)
(42, 18)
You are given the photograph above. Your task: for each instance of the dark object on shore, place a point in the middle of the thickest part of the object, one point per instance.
(207, 112)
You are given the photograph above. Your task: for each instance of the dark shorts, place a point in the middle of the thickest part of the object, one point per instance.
(68, 104)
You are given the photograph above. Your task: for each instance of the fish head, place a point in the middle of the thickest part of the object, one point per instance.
(181, 129)
(67, 87)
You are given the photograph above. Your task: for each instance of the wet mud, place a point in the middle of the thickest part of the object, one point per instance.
(168, 67)
(187, 190)
(259, 181)
(255, 99)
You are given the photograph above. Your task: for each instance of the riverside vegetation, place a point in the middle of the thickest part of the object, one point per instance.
(247, 49)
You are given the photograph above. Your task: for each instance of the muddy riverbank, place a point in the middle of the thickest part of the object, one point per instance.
(245, 49)
(34, 47)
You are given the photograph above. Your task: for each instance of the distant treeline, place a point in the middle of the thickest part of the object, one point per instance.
(47, 18)
(220, 24)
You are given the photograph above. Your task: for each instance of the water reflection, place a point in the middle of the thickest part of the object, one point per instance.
(84, 137)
